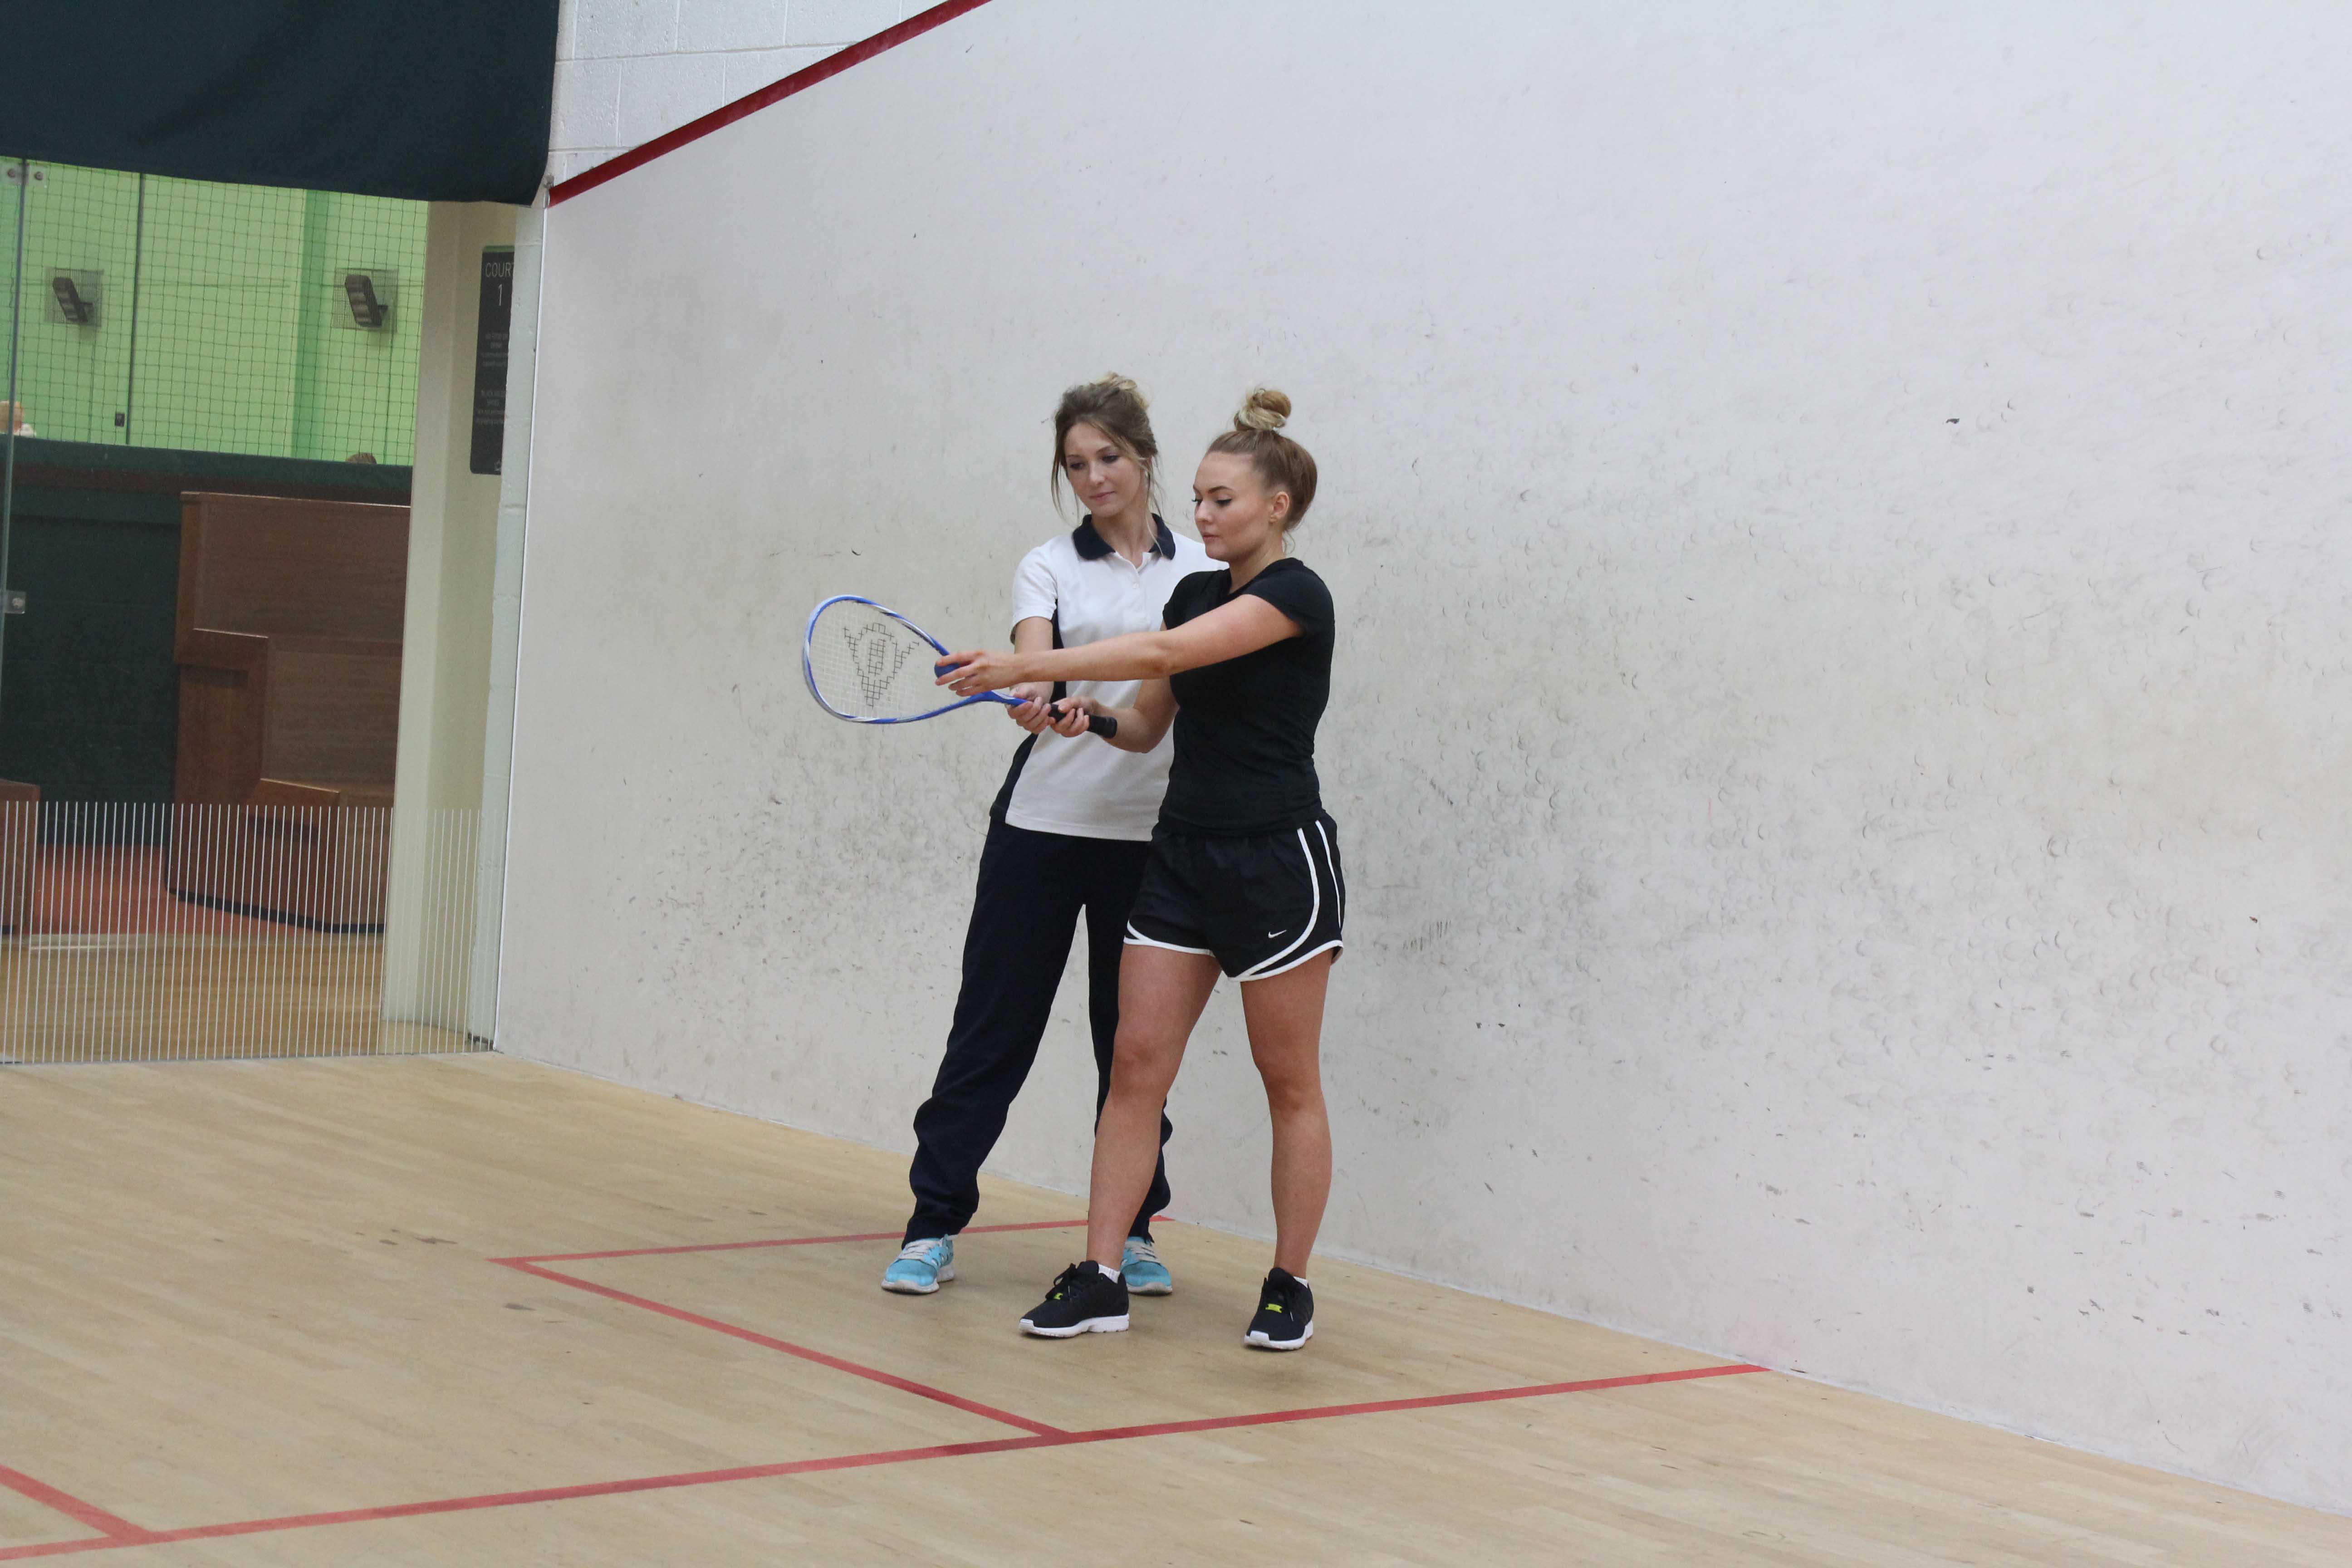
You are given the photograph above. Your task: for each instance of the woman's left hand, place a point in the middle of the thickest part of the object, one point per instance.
(969, 674)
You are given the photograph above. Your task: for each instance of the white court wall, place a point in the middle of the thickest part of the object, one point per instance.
(1839, 514)
(628, 70)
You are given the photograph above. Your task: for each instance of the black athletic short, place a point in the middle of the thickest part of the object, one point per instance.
(1259, 905)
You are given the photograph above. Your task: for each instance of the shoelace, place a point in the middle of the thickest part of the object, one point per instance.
(919, 1252)
(1064, 1283)
(1143, 1251)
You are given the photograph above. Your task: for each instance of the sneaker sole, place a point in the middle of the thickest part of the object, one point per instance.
(909, 1287)
(1258, 1340)
(1089, 1326)
(1167, 1289)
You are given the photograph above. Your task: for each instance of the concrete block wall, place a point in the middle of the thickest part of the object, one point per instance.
(627, 70)
(1884, 906)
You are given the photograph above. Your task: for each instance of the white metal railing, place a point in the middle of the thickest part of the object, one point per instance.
(146, 932)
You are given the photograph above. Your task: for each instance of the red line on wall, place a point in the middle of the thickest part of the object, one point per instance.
(782, 1241)
(113, 1526)
(871, 1375)
(857, 1461)
(832, 65)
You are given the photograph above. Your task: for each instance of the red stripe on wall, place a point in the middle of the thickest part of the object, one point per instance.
(832, 65)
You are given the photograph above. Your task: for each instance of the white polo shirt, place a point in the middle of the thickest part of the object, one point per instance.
(1085, 788)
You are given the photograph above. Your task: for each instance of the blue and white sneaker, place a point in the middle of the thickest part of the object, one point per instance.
(1144, 1273)
(922, 1267)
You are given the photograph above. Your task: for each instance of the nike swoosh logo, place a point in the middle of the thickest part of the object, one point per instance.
(1274, 934)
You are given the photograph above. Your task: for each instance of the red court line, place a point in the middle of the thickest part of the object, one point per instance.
(1424, 1402)
(832, 65)
(749, 1336)
(113, 1526)
(784, 1241)
(857, 1461)
(538, 1494)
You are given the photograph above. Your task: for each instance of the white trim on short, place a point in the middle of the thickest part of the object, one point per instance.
(1314, 915)
(1137, 939)
(1270, 974)
(1338, 892)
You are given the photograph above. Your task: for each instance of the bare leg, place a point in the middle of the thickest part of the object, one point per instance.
(1284, 1013)
(1160, 995)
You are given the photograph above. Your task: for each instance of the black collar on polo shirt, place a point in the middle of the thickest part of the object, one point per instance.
(1093, 546)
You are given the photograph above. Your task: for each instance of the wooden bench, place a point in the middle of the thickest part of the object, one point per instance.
(289, 647)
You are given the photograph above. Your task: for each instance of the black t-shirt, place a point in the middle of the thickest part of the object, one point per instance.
(1245, 727)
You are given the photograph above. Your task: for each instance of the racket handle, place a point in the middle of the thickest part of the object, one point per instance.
(1100, 724)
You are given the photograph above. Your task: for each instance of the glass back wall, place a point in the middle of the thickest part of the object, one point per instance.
(161, 312)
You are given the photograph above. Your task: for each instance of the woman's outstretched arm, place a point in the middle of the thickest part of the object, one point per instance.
(1243, 626)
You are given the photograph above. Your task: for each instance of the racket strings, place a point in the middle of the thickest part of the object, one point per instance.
(870, 664)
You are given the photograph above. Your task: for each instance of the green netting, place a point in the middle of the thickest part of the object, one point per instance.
(162, 312)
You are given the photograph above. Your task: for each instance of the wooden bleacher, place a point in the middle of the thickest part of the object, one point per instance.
(288, 648)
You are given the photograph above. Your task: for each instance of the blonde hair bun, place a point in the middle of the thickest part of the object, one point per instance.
(1263, 409)
(1281, 463)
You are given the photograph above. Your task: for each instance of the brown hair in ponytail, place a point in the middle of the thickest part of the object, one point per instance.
(1116, 406)
(1282, 464)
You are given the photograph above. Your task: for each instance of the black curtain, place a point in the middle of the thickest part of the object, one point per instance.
(430, 100)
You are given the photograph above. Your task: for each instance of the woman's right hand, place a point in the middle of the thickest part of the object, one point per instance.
(1076, 714)
(1033, 712)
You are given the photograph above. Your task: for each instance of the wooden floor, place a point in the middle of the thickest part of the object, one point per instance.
(169, 997)
(308, 1312)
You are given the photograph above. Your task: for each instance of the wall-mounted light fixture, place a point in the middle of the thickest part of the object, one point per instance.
(370, 295)
(77, 297)
(367, 311)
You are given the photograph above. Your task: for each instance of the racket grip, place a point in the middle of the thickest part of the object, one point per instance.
(1099, 725)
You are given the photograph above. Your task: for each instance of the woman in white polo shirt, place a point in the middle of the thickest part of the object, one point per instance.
(1070, 831)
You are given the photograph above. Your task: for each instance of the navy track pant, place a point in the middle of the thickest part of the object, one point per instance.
(1033, 886)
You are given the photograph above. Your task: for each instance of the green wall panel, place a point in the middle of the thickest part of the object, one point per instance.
(89, 702)
(234, 295)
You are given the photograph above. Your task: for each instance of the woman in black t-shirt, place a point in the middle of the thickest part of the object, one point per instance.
(1244, 872)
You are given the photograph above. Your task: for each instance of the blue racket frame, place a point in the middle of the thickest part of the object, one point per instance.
(1105, 727)
(808, 634)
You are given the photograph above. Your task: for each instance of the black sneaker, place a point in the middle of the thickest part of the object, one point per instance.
(1286, 1314)
(1084, 1301)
